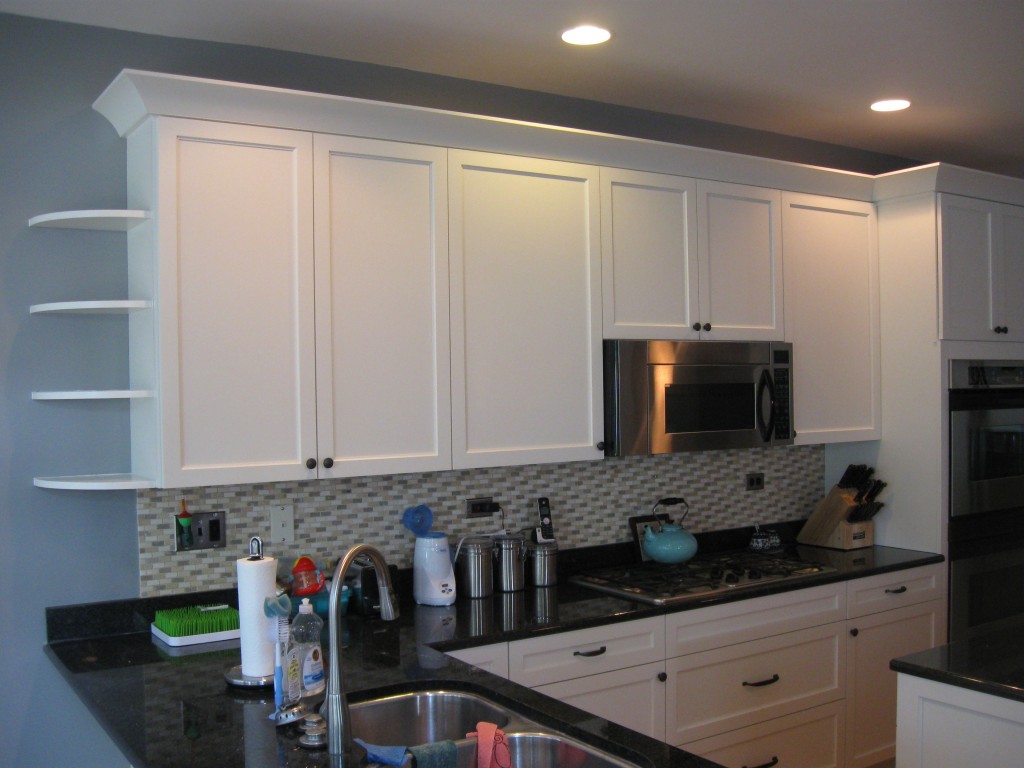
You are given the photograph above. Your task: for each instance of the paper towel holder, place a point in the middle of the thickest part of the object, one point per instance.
(235, 676)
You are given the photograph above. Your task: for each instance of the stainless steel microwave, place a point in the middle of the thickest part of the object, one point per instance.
(674, 396)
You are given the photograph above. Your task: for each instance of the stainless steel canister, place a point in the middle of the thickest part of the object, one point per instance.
(541, 563)
(510, 551)
(474, 566)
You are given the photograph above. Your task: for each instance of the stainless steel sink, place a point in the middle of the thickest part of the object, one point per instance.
(547, 750)
(410, 719)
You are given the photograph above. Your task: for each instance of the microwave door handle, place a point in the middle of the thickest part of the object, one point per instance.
(765, 426)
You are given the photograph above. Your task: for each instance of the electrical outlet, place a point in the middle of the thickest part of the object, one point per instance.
(483, 506)
(755, 481)
(209, 530)
(282, 524)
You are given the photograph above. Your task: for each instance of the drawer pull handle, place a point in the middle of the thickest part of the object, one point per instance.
(897, 591)
(769, 764)
(590, 654)
(762, 683)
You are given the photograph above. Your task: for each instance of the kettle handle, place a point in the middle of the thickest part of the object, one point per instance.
(671, 501)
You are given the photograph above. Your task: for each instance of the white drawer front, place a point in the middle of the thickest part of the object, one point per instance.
(894, 590)
(569, 655)
(705, 628)
(739, 685)
(812, 738)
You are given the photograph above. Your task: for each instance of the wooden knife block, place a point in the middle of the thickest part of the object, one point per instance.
(827, 526)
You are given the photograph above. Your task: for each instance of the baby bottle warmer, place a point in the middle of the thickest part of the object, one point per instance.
(433, 581)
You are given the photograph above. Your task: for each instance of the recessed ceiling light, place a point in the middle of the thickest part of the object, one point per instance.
(890, 105)
(586, 35)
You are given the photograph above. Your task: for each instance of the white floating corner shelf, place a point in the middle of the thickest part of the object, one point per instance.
(112, 482)
(111, 307)
(104, 220)
(93, 394)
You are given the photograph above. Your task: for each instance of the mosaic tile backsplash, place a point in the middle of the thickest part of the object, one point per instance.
(591, 503)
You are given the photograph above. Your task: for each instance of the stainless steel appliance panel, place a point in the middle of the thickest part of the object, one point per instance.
(672, 396)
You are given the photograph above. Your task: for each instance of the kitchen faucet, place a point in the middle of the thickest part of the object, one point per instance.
(335, 706)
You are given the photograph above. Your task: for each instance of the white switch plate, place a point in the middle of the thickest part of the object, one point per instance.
(282, 524)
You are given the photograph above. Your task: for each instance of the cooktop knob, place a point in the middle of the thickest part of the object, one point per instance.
(731, 578)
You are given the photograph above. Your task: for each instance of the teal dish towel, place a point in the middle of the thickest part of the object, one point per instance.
(437, 754)
(376, 753)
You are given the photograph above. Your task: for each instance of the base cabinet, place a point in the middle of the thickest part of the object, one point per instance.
(799, 679)
(945, 725)
(873, 642)
(812, 738)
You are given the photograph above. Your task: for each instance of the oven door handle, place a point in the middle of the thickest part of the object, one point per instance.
(765, 426)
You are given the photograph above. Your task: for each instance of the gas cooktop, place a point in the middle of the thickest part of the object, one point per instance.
(704, 575)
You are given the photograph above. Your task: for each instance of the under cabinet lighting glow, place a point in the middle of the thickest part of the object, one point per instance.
(586, 35)
(890, 105)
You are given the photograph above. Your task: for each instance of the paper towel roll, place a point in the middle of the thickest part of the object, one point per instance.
(256, 582)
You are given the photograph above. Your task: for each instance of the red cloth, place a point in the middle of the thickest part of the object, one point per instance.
(491, 746)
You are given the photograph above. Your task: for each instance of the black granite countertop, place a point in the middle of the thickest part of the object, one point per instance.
(164, 710)
(992, 663)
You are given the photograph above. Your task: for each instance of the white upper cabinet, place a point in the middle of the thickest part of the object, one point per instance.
(832, 317)
(381, 224)
(649, 255)
(228, 264)
(982, 246)
(526, 310)
(739, 238)
(281, 349)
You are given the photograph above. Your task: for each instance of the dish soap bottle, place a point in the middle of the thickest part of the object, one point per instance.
(306, 629)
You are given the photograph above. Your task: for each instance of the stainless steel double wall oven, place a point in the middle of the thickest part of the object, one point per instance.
(986, 525)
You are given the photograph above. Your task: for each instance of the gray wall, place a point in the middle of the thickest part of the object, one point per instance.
(56, 153)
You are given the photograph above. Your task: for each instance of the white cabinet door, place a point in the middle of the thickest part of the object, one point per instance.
(969, 266)
(982, 269)
(526, 310)
(649, 255)
(739, 237)
(1011, 240)
(832, 317)
(873, 641)
(381, 223)
(633, 697)
(230, 270)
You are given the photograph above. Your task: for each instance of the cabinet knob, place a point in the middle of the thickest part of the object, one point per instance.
(696, 326)
(854, 632)
(663, 676)
(601, 446)
(707, 326)
(1001, 329)
(310, 463)
(328, 462)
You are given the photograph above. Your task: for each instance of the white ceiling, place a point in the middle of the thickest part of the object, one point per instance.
(806, 68)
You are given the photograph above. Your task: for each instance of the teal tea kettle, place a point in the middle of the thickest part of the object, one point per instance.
(671, 543)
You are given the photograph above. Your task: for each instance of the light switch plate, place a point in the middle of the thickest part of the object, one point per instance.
(282, 524)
